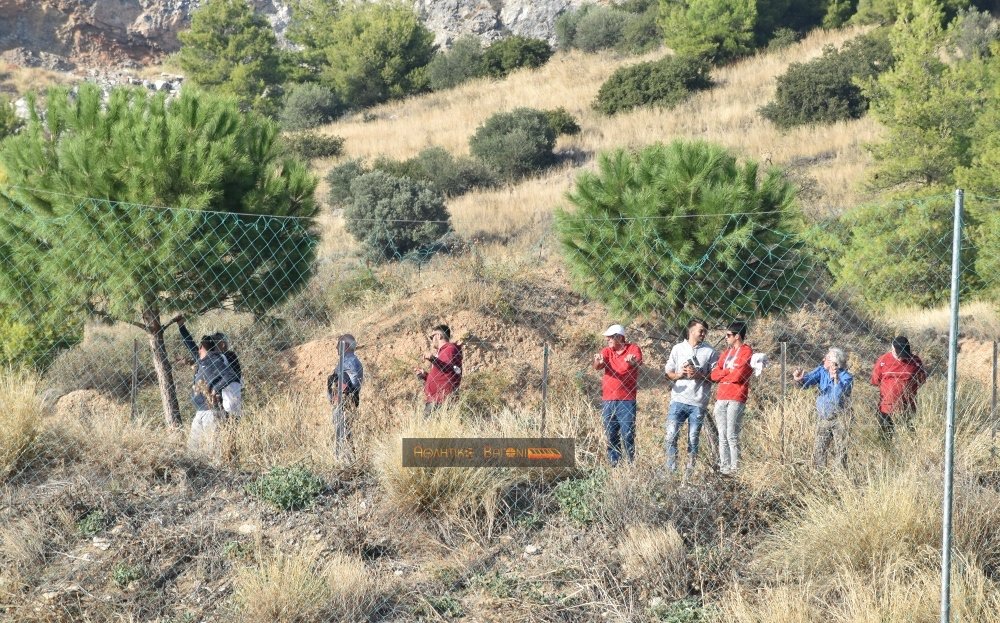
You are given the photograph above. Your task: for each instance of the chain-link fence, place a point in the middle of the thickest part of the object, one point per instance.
(137, 486)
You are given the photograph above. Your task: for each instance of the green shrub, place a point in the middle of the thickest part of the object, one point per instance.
(826, 89)
(309, 145)
(393, 216)
(339, 180)
(664, 83)
(714, 266)
(309, 105)
(576, 497)
(91, 524)
(688, 610)
(782, 38)
(464, 61)
(287, 488)
(124, 574)
(566, 24)
(899, 254)
(515, 143)
(600, 28)
(506, 55)
(719, 30)
(445, 173)
(641, 32)
(562, 122)
(971, 35)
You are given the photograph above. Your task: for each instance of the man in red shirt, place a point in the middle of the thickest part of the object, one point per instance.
(732, 373)
(620, 362)
(445, 373)
(897, 374)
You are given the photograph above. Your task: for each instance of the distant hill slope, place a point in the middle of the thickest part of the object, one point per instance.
(58, 34)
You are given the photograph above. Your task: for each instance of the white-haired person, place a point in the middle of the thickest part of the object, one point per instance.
(343, 390)
(834, 384)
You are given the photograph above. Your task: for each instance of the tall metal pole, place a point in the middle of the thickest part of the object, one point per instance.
(784, 395)
(545, 383)
(949, 436)
(993, 403)
(134, 389)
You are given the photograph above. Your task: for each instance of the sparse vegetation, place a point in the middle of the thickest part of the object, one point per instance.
(287, 488)
(21, 412)
(310, 145)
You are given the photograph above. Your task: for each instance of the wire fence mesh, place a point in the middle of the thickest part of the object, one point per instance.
(121, 503)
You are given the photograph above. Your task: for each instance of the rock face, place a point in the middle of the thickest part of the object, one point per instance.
(60, 33)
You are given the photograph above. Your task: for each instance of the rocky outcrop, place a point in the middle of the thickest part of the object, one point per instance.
(59, 33)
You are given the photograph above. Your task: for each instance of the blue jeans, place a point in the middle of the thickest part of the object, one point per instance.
(619, 427)
(676, 416)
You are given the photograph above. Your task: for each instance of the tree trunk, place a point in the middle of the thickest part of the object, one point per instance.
(161, 363)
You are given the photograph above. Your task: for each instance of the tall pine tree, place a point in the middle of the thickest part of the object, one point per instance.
(76, 224)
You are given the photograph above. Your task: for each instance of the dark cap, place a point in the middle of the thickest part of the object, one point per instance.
(902, 347)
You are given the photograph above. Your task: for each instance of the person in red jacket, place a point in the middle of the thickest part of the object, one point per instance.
(620, 362)
(444, 376)
(897, 374)
(732, 373)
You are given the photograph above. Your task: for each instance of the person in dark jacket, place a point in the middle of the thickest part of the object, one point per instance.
(343, 390)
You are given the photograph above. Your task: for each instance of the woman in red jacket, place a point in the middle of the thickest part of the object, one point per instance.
(732, 373)
(897, 374)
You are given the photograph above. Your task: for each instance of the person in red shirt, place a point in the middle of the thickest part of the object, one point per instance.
(732, 373)
(897, 374)
(620, 362)
(444, 376)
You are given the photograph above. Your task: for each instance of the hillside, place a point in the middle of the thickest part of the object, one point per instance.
(107, 516)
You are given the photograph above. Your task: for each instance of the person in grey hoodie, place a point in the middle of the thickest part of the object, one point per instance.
(689, 367)
(343, 390)
(212, 374)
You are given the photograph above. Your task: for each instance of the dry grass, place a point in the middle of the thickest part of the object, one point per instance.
(26, 546)
(829, 158)
(302, 587)
(655, 554)
(23, 80)
(980, 319)
(21, 413)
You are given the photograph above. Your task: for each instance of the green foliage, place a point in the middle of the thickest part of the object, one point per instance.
(463, 62)
(124, 574)
(929, 107)
(126, 262)
(377, 52)
(838, 12)
(309, 28)
(515, 143)
(899, 253)
(562, 122)
(664, 83)
(91, 524)
(782, 38)
(9, 121)
(973, 33)
(577, 497)
(889, 11)
(630, 28)
(445, 173)
(393, 216)
(786, 15)
(720, 30)
(826, 89)
(339, 180)
(516, 52)
(231, 49)
(309, 105)
(982, 173)
(630, 244)
(287, 488)
(31, 332)
(309, 145)
(446, 606)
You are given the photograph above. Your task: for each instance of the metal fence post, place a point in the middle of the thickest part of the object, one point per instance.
(784, 396)
(993, 403)
(545, 383)
(134, 389)
(949, 438)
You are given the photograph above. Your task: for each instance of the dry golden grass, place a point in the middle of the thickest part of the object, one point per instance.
(21, 413)
(831, 157)
(655, 554)
(27, 544)
(23, 80)
(977, 318)
(302, 587)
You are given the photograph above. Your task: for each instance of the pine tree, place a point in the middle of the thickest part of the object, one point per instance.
(683, 230)
(720, 30)
(377, 52)
(928, 106)
(232, 49)
(79, 180)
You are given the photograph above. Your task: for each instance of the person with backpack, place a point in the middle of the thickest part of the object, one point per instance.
(444, 374)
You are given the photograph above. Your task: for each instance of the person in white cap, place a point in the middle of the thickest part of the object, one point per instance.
(620, 362)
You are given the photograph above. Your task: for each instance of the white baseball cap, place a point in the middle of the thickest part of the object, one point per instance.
(615, 329)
